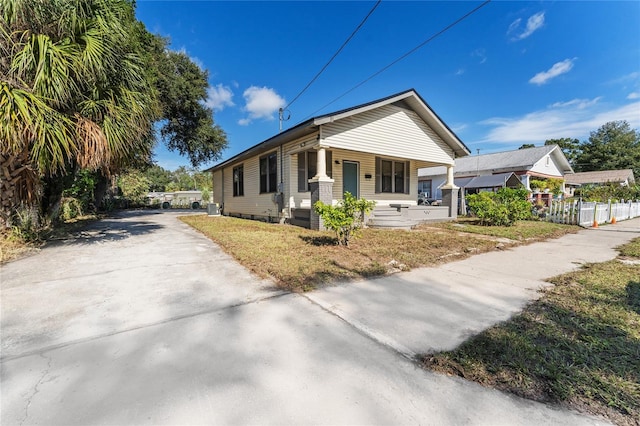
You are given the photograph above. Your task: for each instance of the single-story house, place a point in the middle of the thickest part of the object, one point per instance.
(623, 177)
(543, 162)
(372, 150)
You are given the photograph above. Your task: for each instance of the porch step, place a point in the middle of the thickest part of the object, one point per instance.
(389, 218)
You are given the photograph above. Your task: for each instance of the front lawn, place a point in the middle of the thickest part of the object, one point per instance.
(579, 345)
(301, 259)
(522, 231)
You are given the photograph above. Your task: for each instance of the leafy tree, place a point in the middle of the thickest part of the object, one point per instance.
(81, 85)
(527, 145)
(158, 178)
(134, 186)
(345, 219)
(570, 148)
(613, 146)
(72, 93)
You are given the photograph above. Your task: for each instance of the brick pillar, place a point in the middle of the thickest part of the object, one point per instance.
(450, 199)
(321, 190)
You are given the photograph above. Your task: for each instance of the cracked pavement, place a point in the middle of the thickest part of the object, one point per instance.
(141, 320)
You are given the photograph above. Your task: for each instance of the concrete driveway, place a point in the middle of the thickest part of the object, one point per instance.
(141, 320)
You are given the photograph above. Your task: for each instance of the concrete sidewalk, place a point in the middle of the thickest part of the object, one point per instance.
(436, 309)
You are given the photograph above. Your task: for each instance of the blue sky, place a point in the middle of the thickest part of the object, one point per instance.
(513, 72)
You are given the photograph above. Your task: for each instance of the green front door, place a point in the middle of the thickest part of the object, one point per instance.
(350, 178)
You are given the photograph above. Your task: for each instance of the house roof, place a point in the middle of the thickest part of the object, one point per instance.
(624, 175)
(409, 97)
(516, 160)
(487, 181)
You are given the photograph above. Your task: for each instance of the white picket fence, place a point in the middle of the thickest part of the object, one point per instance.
(587, 214)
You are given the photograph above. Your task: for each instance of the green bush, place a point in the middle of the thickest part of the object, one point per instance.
(26, 224)
(502, 208)
(609, 191)
(346, 218)
(70, 208)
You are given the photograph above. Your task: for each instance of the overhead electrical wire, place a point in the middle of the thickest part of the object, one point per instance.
(335, 54)
(410, 52)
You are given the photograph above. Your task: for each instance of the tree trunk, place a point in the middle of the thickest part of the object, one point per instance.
(18, 186)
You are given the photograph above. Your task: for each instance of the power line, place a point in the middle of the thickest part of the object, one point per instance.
(335, 54)
(410, 52)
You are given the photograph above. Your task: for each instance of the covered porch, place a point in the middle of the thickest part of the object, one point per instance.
(391, 182)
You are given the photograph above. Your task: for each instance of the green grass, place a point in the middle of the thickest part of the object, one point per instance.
(632, 249)
(579, 345)
(301, 259)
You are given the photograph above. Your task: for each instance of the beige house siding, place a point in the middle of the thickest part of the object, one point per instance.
(388, 130)
(252, 202)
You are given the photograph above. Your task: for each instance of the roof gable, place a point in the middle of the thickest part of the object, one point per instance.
(407, 99)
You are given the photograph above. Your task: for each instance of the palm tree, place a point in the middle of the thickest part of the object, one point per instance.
(73, 93)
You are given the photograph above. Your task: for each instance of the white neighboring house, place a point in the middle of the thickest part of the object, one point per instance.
(372, 150)
(542, 162)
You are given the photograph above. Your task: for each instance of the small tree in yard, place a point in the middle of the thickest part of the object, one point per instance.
(346, 218)
(134, 186)
(502, 208)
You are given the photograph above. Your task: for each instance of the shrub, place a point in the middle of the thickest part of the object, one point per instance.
(134, 186)
(26, 224)
(346, 218)
(70, 208)
(502, 208)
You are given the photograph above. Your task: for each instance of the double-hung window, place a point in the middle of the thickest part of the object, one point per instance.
(269, 173)
(392, 176)
(238, 181)
(308, 167)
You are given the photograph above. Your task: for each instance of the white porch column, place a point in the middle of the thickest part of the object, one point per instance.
(321, 164)
(449, 184)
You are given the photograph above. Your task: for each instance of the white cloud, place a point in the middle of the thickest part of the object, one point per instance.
(480, 53)
(557, 69)
(534, 23)
(244, 121)
(577, 103)
(261, 102)
(459, 127)
(574, 119)
(514, 26)
(626, 78)
(460, 71)
(219, 97)
(633, 95)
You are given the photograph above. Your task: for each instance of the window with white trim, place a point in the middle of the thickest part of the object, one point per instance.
(392, 176)
(269, 173)
(238, 181)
